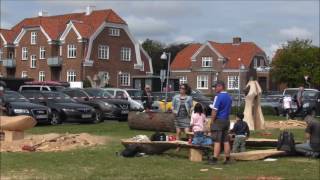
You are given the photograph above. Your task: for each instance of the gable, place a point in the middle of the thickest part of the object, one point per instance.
(23, 31)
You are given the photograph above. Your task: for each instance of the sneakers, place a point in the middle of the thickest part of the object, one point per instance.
(213, 161)
(227, 161)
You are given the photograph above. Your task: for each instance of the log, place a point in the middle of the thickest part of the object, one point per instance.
(152, 121)
(16, 123)
(257, 155)
(195, 155)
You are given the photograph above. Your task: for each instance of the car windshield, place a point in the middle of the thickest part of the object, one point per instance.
(310, 94)
(98, 93)
(59, 97)
(135, 93)
(57, 88)
(14, 97)
(291, 92)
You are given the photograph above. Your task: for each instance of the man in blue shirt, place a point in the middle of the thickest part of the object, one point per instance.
(220, 122)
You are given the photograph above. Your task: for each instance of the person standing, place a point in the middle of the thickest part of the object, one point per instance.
(181, 106)
(220, 122)
(146, 98)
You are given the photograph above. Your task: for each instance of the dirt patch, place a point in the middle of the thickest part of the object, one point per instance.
(288, 124)
(53, 142)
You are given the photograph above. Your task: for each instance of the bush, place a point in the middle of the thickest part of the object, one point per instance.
(86, 84)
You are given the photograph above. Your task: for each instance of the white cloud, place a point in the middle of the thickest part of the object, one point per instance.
(149, 26)
(271, 50)
(183, 39)
(295, 32)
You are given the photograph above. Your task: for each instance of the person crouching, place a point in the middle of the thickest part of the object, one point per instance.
(242, 132)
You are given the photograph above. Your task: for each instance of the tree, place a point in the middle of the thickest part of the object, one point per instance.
(297, 59)
(156, 48)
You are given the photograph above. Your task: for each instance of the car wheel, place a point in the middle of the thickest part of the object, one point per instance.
(98, 117)
(55, 119)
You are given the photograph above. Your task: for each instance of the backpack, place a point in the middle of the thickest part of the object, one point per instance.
(130, 151)
(158, 137)
(286, 142)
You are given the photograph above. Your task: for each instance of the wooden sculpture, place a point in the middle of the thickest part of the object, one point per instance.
(14, 127)
(252, 111)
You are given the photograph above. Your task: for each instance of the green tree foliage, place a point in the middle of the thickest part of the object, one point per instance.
(295, 60)
(155, 49)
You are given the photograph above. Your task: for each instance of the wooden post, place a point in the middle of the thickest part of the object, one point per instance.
(195, 155)
(10, 136)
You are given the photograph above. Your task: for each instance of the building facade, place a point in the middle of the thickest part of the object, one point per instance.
(74, 47)
(201, 65)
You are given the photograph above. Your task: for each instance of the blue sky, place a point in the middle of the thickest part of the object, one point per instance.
(268, 23)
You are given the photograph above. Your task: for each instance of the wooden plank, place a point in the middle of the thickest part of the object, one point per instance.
(257, 155)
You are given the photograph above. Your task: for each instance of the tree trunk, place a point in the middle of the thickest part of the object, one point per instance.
(153, 121)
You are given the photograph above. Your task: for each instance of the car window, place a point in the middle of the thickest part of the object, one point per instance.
(111, 92)
(79, 94)
(14, 97)
(27, 88)
(135, 93)
(58, 97)
(121, 94)
(45, 88)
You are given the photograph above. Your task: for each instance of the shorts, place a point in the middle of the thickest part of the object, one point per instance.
(220, 130)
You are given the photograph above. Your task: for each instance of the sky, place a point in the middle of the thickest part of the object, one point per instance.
(267, 23)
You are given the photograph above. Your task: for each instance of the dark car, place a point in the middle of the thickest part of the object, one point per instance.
(203, 100)
(102, 101)
(311, 103)
(63, 107)
(16, 104)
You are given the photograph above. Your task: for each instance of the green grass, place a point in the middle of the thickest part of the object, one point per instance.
(102, 163)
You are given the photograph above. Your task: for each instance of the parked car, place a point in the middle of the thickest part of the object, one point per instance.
(271, 101)
(132, 95)
(120, 108)
(106, 106)
(40, 88)
(311, 103)
(16, 104)
(205, 101)
(63, 107)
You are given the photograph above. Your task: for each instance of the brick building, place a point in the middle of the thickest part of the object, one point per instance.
(73, 47)
(201, 65)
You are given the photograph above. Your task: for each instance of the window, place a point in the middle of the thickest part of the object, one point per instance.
(114, 32)
(106, 77)
(60, 50)
(125, 54)
(255, 63)
(33, 37)
(206, 61)
(33, 62)
(71, 76)
(42, 53)
(24, 53)
(103, 52)
(125, 79)
(10, 55)
(72, 51)
(202, 82)
(42, 76)
(233, 82)
(183, 80)
(24, 74)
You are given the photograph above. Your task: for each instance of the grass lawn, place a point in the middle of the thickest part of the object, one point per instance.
(102, 163)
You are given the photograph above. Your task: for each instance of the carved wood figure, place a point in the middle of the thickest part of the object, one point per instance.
(252, 111)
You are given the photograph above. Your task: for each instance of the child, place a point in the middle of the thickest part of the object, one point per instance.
(241, 131)
(197, 123)
(287, 105)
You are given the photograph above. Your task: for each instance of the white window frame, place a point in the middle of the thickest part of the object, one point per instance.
(232, 84)
(206, 61)
(42, 76)
(103, 52)
(72, 51)
(125, 54)
(60, 50)
(33, 61)
(125, 79)
(114, 31)
(105, 76)
(255, 63)
(42, 52)
(71, 76)
(24, 74)
(33, 37)
(202, 79)
(24, 53)
(183, 80)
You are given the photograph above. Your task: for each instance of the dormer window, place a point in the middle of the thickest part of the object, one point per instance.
(206, 61)
(114, 32)
(255, 63)
(34, 37)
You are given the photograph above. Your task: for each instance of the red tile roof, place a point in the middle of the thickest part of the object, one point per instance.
(183, 58)
(245, 50)
(55, 25)
(7, 34)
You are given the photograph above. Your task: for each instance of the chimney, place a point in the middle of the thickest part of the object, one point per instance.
(236, 40)
(42, 13)
(89, 9)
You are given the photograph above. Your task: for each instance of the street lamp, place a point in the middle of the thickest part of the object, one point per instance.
(306, 78)
(118, 75)
(165, 57)
(241, 66)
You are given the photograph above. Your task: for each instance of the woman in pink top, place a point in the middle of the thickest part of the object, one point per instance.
(198, 119)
